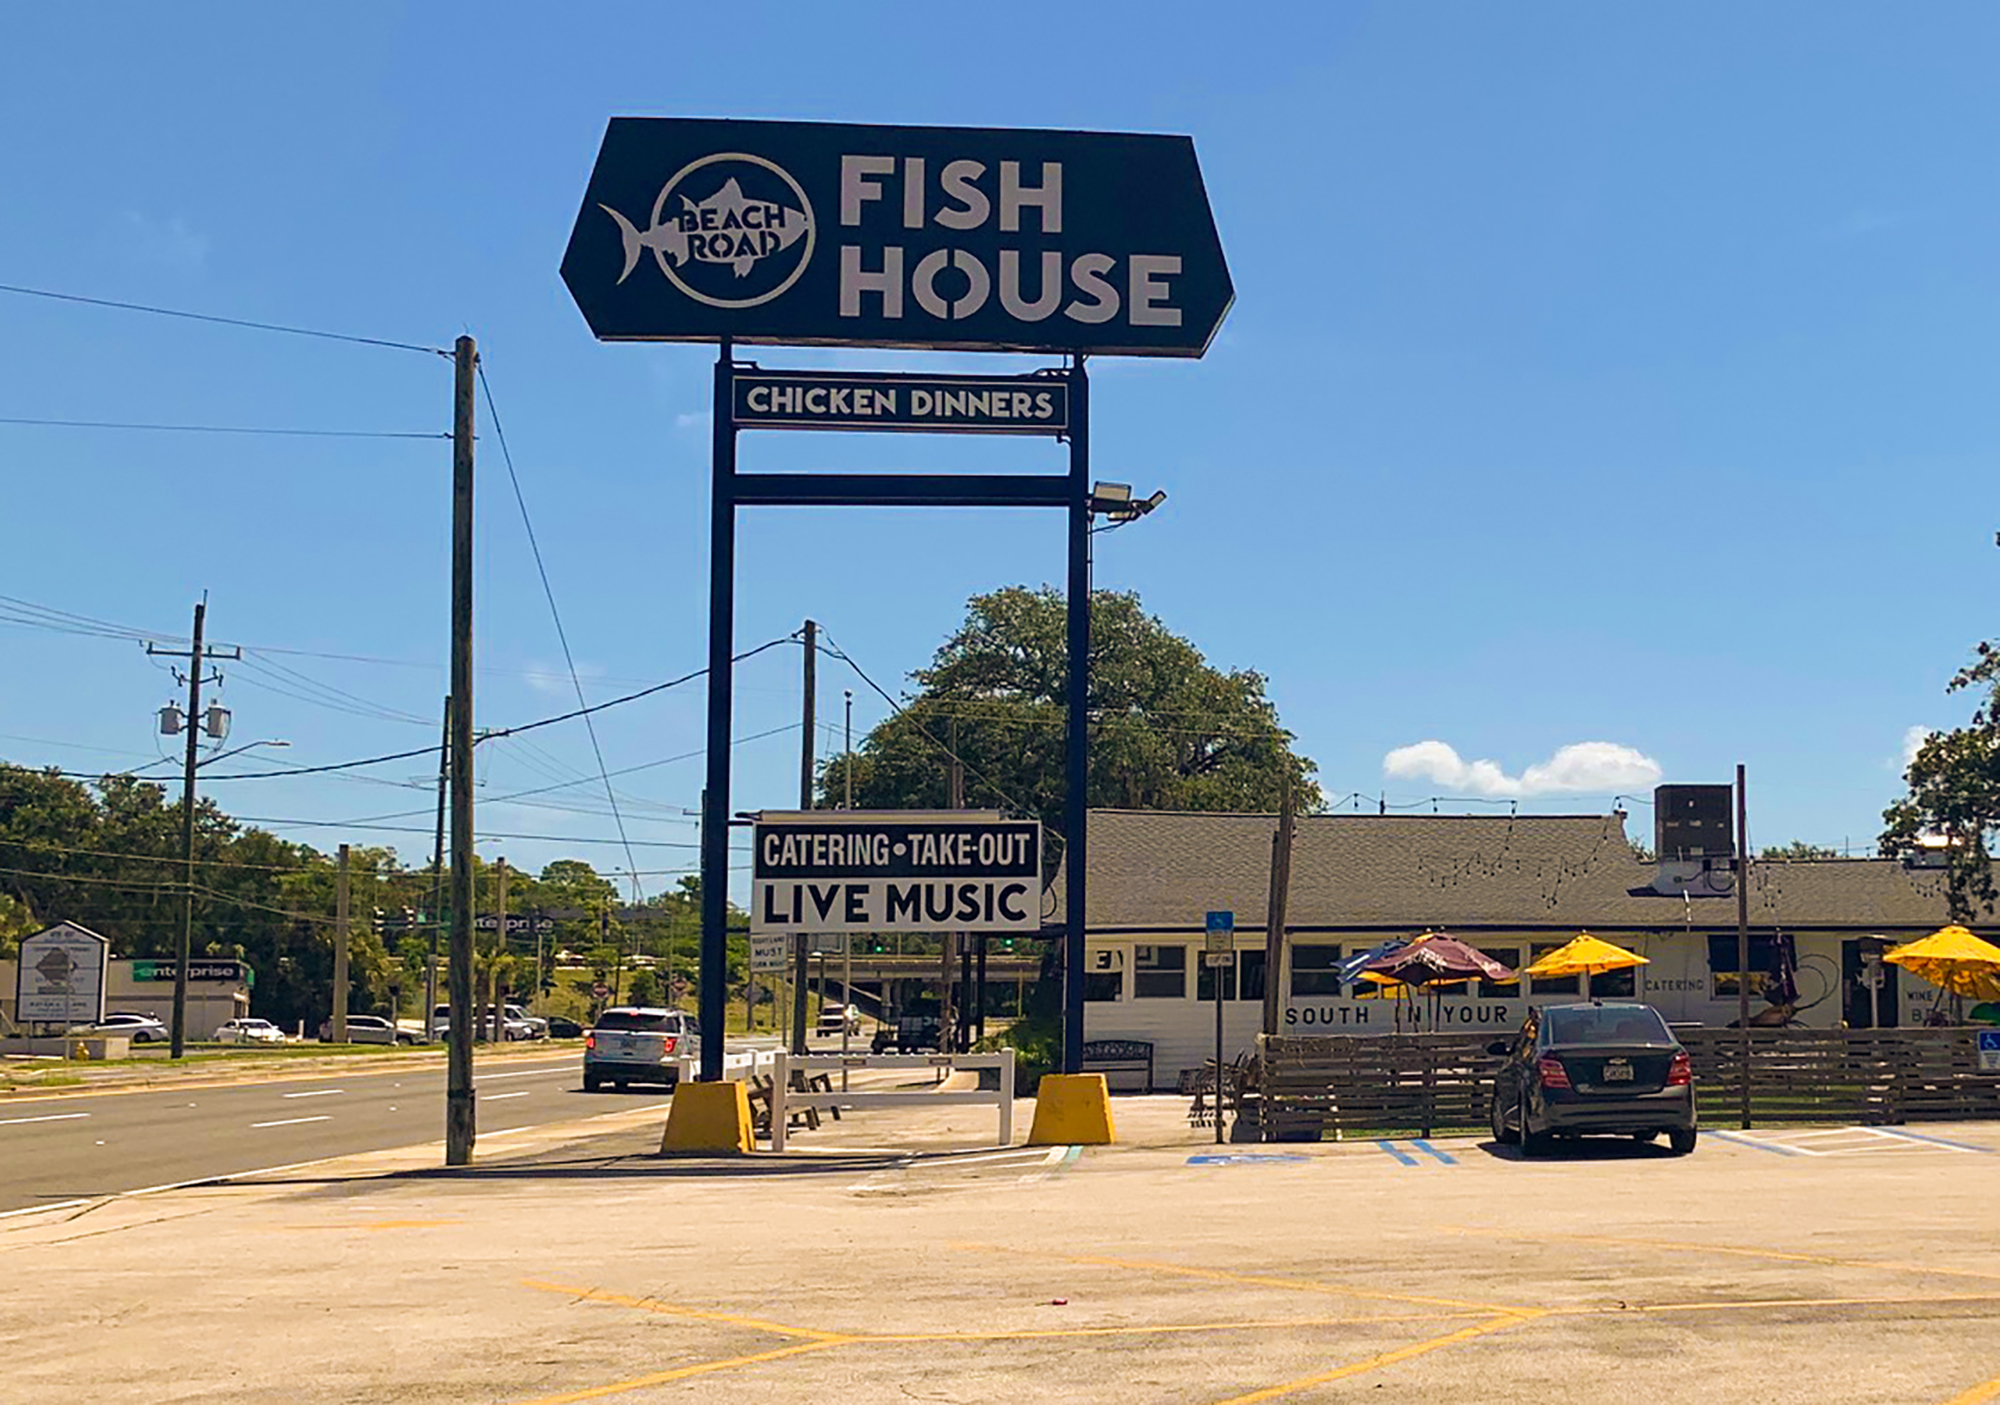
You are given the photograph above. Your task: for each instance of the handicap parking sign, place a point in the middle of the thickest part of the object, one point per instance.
(1989, 1051)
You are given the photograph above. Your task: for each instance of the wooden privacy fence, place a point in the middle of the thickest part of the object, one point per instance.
(1421, 1084)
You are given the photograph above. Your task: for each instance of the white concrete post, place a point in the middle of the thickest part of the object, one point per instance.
(781, 1083)
(1006, 1097)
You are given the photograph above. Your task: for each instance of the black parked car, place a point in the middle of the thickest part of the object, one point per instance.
(1593, 1067)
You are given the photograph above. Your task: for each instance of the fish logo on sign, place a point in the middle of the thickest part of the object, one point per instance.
(729, 230)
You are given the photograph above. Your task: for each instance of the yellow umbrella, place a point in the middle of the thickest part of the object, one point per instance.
(1955, 959)
(1586, 955)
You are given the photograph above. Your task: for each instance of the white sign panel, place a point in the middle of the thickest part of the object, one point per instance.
(61, 976)
(768, 951)
(896, 871)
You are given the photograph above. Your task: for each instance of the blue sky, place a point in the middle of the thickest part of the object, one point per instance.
(1597, 374)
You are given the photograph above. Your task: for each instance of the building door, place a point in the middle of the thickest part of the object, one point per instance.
(1869, 989)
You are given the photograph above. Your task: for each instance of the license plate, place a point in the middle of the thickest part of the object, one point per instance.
(1618, 1073)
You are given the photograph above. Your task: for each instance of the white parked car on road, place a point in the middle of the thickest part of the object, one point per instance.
(368, 1029)
(249, 1031)
(141, 1029)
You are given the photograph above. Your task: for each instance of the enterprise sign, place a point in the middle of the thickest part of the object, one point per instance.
(961, 404)
(896, 872)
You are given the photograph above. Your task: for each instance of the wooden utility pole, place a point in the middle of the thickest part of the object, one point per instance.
(1743, 938)
(196, 656)
(340, 913)
(437, 880)
(1274, 910)
(497, 1029)
(808, 752)
(461, 1117)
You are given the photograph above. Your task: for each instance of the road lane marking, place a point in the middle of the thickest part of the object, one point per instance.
(1376, 1363)
(734, 1319)
(529, 1073)
(1927, 1139)
(679, 1373)
(508, 1131)
(48, 1117)
(315, 1093)
(1979, 1394)
(501, 1097)
(1775, 1148)
(293, 1121)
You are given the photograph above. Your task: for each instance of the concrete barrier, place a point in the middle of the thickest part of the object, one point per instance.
(784, 1096)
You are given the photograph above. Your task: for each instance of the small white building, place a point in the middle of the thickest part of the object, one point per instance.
(1513, 886)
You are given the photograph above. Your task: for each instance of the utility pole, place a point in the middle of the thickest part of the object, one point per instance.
(437, 880)
(497, 1028)
(1743, 937)
(196, 656)
(1275, 912)
(808, 750)
(340, 911)
(948, 1007)
(461, 1114)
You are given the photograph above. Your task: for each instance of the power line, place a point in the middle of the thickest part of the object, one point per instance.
(901, 711)
(221, 321)
(549, 594)
(433, 750)
(225, 429)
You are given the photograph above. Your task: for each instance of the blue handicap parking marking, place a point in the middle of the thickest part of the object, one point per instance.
(1427, 1149)
(1247, 1158)
(1402, 1156)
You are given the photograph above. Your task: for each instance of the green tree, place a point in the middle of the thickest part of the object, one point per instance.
(1954, 795)
(1168, 730)
(1796, 851)
(644, 988)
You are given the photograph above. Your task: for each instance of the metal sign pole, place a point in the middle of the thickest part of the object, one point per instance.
(715, 799)
(1076, 801)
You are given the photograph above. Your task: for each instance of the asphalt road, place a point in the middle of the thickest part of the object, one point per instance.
(76, 1147)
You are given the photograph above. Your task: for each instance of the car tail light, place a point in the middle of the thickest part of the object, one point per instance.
(667, 1044)
(1552, 1072)
(1681, 1073)
(590, 1040)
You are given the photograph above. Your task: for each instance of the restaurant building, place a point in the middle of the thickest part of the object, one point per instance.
(1515, 886)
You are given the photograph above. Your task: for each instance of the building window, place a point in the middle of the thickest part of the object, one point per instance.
(1103, 987)
(1204, 980)
(1510, 957)
(1315, 970)
(1250, 975)
(1722, 964)
(1552, 985)
(1159, 972)
(1616, 985)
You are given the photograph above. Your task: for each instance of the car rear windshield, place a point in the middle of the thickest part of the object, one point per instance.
(1608, 1024)
(636, 1019)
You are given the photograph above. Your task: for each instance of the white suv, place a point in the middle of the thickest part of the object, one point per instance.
(638, 1044)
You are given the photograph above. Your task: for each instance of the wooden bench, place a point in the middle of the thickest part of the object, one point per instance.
(1118, 1056)
(759, 1094)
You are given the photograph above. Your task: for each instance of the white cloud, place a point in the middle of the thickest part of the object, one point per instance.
(168, 243)
(1913, 742)
(1597, 768)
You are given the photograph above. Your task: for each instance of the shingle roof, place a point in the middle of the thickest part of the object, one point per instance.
(1161, 872)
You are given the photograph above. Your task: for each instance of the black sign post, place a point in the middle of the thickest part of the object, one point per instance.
(1072, 243)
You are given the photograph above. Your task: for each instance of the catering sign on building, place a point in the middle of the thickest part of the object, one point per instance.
(895, 871)
(61, 976)
(844, 235)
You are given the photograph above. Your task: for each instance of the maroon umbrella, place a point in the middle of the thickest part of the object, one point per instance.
(1435, 959)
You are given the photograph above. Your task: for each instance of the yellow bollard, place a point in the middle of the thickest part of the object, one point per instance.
(709, 1117)
(1072, 1109)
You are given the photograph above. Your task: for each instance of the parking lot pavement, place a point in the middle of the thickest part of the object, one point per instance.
(579, 1267)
